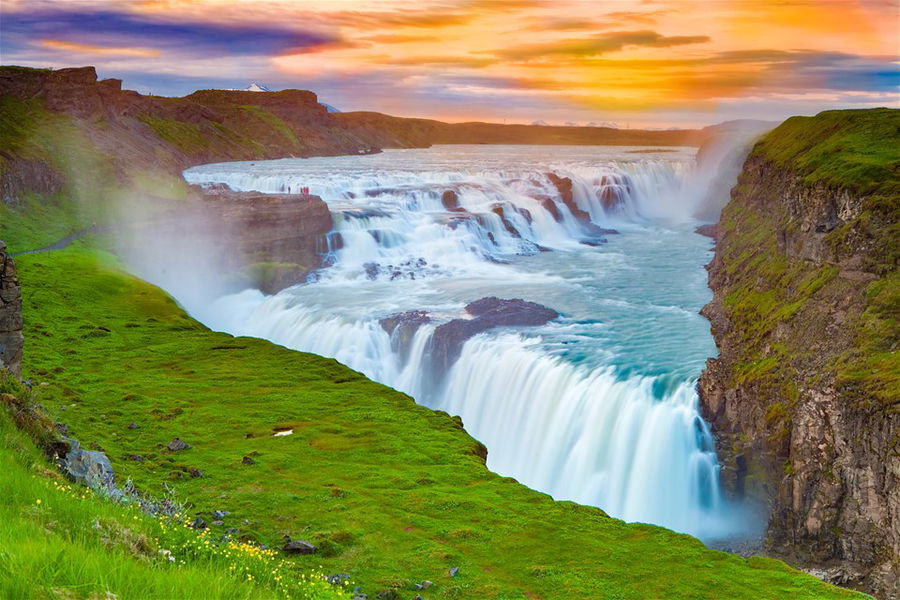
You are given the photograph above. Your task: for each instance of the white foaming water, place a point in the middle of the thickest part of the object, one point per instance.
(599, 406)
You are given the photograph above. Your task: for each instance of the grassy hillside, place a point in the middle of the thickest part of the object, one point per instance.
(851, 149)
(59, 540)
(391, 493)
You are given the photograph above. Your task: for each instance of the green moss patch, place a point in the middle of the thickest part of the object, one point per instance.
(855, 149)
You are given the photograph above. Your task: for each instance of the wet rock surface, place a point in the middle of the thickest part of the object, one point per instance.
(450, 200)
(402, 328)
(488, 313)
(566, 194)
(276, 240)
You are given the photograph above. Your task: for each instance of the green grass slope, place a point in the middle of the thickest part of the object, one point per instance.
(59, 540)
(391, 492)
(852, 149)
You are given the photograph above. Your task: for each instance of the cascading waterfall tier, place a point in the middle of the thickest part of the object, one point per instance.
(597, 406)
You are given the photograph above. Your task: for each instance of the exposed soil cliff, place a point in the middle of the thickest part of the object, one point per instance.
(805, 395)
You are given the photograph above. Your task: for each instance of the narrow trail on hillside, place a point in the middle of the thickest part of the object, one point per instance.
(67, 240)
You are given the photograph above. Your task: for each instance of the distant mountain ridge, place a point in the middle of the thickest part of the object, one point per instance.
(218, 125)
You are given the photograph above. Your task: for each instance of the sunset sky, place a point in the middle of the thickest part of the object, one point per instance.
(631, 62)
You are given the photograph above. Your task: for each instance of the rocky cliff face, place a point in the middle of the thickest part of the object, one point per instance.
(10, 315)
(219, 241)
(278, 238)
(804, 395)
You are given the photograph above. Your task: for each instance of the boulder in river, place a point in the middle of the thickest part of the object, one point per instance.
(487, 313)
(450, 200)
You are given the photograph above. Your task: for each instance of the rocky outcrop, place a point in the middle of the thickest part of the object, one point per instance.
(89, 468)
(486, 314)
(803, 396)
(402, 328)
(275, 240)
(18, 175)
(237, 240)
(10, 315)
(563, 186)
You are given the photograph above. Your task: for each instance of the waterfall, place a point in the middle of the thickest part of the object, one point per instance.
(598, 406)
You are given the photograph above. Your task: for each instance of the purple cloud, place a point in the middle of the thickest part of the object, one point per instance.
(107, 28)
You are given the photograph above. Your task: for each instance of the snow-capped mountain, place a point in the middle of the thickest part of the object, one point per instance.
(256, 87)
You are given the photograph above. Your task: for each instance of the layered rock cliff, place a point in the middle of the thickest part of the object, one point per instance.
(278, 238)
(805, 395)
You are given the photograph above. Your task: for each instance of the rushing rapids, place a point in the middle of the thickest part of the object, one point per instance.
(596, 406)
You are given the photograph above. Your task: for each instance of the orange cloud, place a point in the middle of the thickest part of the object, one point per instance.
(599, 44)
(571, 53)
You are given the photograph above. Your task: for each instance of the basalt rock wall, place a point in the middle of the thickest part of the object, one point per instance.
(10, 315)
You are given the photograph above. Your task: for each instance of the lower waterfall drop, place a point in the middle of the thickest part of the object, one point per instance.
(598, 406)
